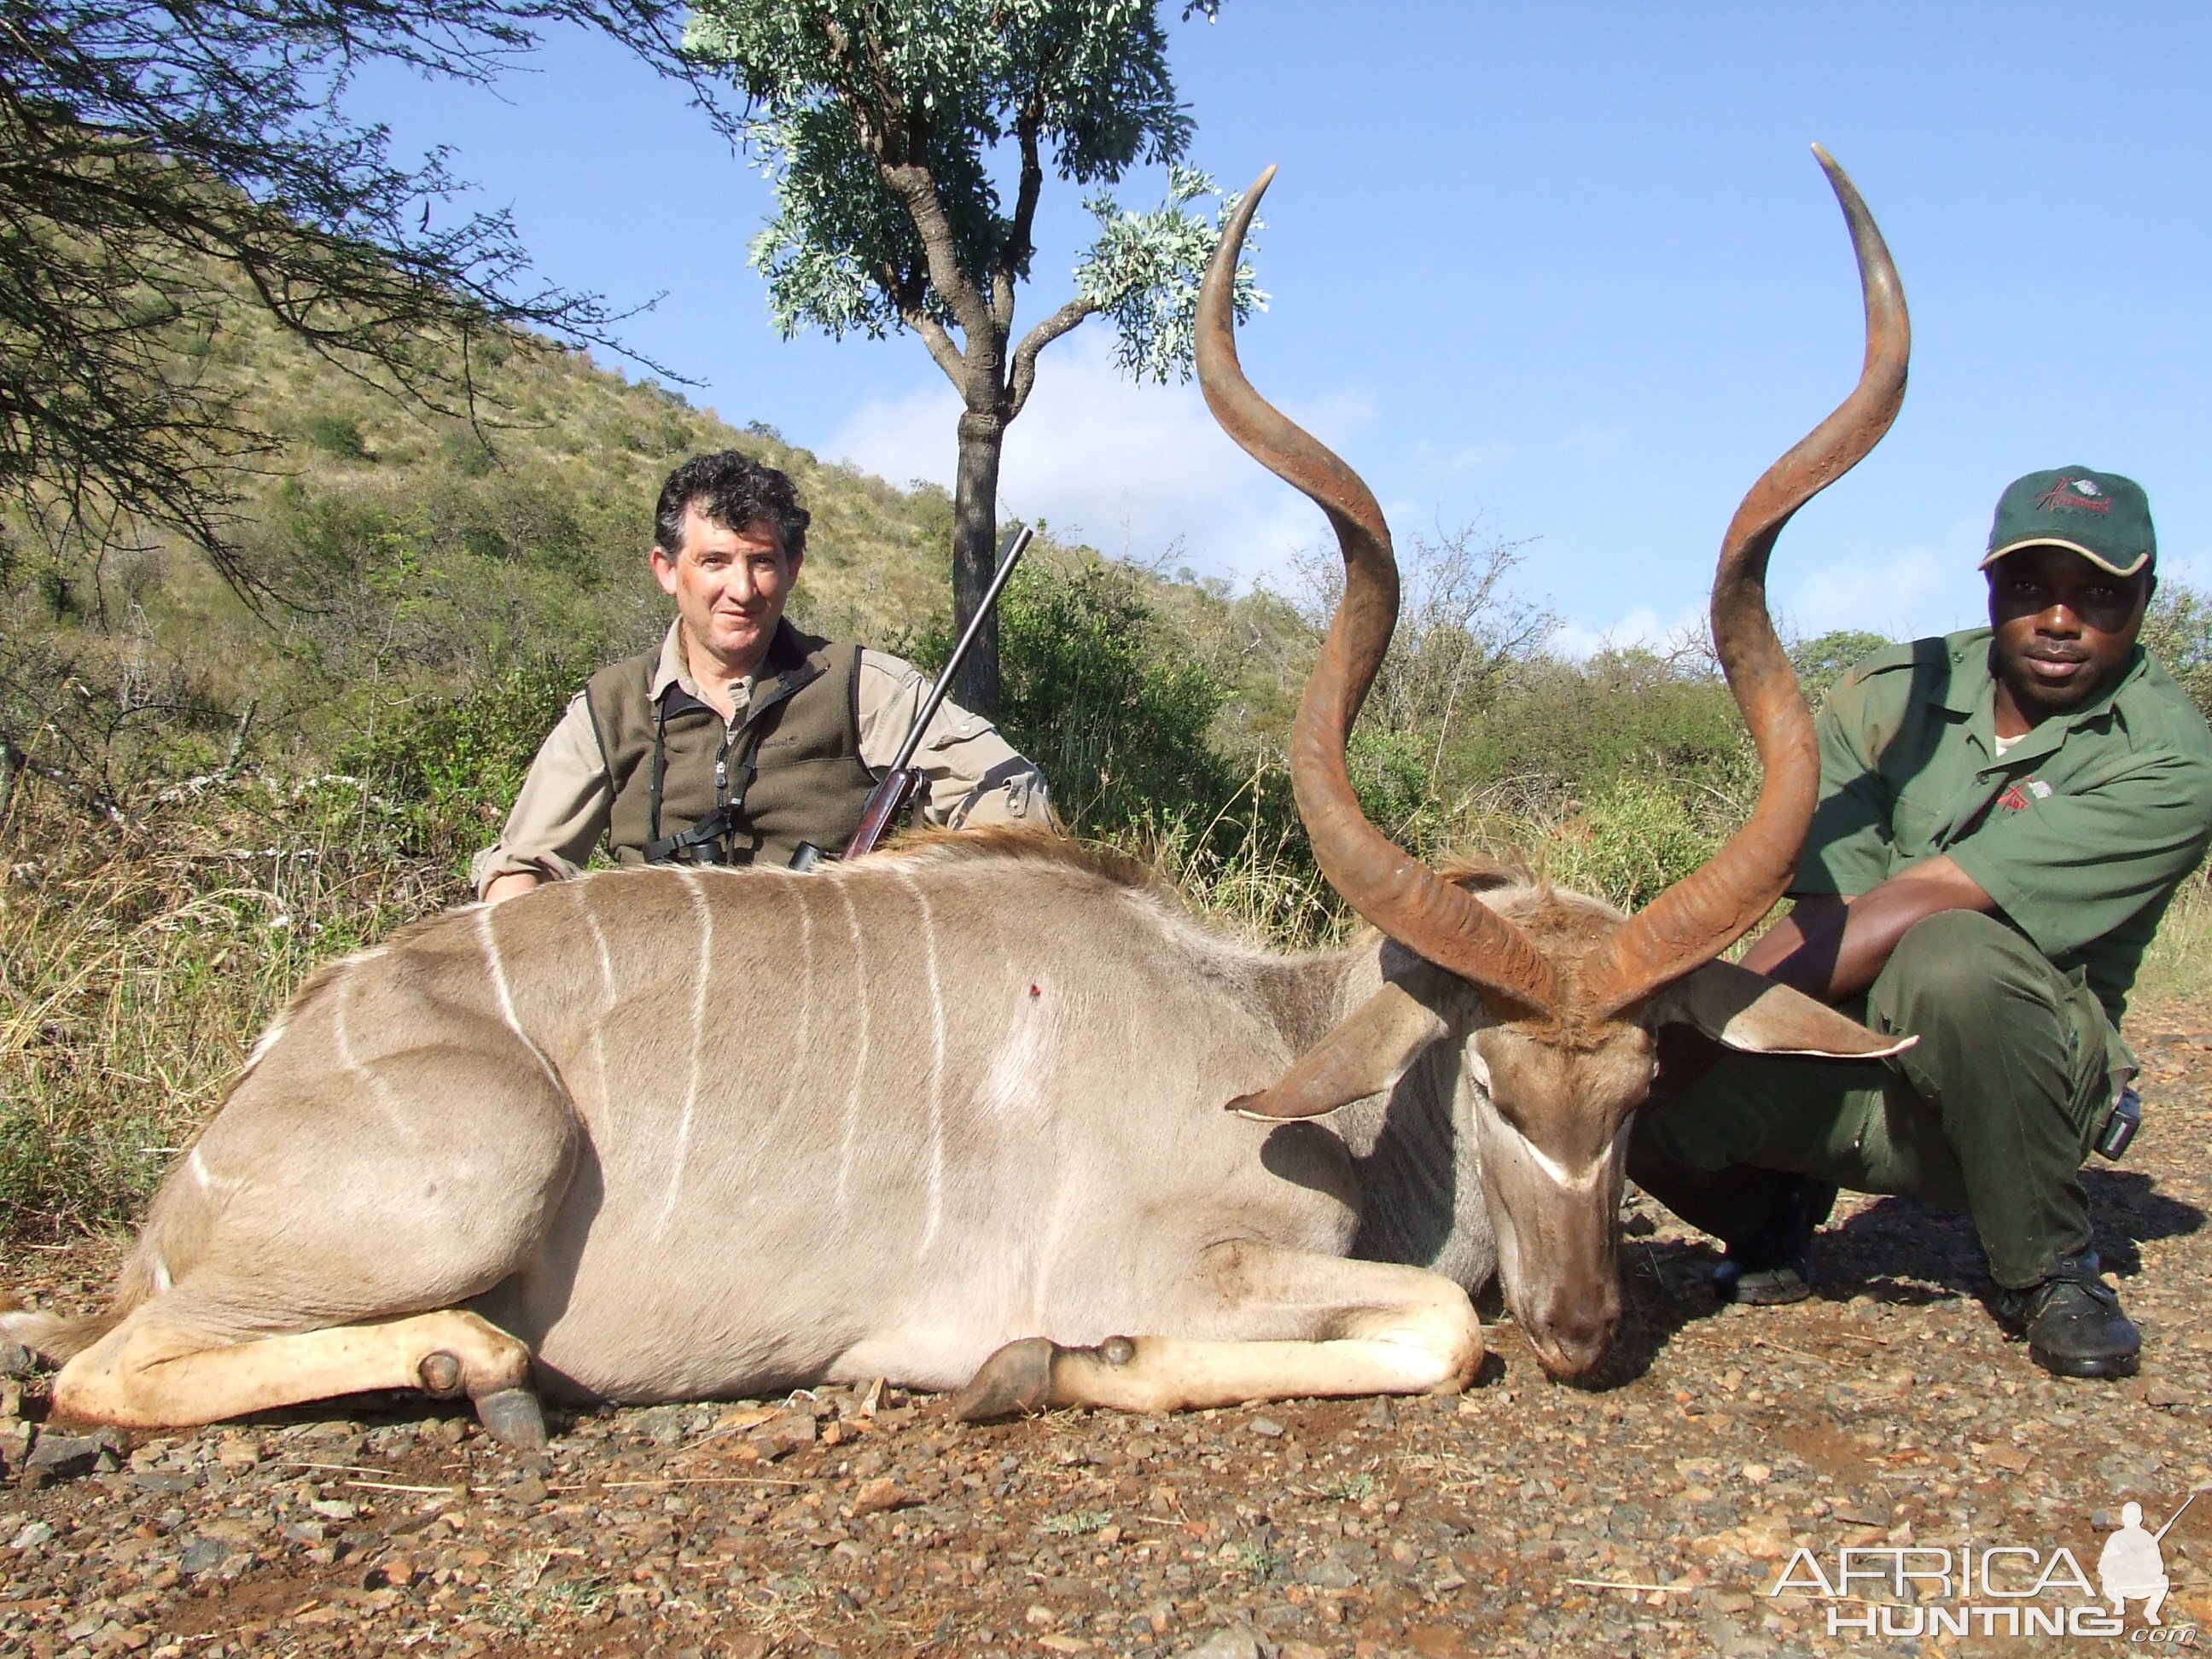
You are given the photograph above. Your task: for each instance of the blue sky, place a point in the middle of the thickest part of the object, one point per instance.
(1568, 272)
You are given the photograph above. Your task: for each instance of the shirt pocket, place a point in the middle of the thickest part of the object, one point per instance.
(1914, 826)
(949, 728)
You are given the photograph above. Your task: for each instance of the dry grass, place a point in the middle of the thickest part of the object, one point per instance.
(136, 972)
(134, 975)
(2178, 967)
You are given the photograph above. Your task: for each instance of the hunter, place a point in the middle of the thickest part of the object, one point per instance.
(2004, 814)
(740, 738)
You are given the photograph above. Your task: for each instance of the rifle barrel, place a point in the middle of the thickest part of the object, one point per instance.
(2161, 1533)
(1017, 541)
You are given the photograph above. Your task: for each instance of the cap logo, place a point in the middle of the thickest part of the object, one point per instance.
(2081, 494)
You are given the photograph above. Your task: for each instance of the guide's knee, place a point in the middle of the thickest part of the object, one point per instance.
(1958, 963)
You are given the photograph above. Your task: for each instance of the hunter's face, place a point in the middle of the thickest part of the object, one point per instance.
(2065, 627)
(729, 587)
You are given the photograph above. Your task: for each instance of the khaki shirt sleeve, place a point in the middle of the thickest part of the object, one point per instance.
(2069, 868)
(562, 811)
(1847, 851)
(973, 777)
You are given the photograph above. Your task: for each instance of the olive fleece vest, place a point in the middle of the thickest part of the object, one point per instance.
(790, 771)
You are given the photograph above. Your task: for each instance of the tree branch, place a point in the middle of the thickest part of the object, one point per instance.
(1018, 247)
(1023, 378)
(940, 344)
(915, 187)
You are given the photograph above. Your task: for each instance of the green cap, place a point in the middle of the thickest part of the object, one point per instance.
(2100, 515)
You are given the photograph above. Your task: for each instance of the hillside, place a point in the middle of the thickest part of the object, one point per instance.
(405, 554)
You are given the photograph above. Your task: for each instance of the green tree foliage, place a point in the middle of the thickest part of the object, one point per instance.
(167, 163)
(443, 770)
(1096, 693)
(881, 123)
(1827, 658)
(2177, 631)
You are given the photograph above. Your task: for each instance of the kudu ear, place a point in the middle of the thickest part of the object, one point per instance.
(1364, 1052)
(1755, 1015)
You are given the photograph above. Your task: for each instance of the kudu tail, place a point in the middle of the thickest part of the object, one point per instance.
(57, 1339)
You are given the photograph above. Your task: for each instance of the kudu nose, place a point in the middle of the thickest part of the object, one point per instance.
(1572, 1337)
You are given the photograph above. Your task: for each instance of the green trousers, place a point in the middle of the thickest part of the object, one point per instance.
(1992, 1112)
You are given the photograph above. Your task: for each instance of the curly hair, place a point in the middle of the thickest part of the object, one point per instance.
(735, 491)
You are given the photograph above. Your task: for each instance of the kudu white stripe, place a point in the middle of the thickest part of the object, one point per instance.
(936, 1062)
(490, 941)
(861, 966)
(682, 1153)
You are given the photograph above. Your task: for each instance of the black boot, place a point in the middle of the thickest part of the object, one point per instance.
(1769, 1266)
(2073, 1322)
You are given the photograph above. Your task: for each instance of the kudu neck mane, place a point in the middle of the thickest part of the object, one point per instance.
(1310, 990)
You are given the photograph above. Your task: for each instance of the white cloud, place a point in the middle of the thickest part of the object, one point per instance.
(1598, 442)
(1132, 470)
(1477, 457)
(1577, 641)
(1907, 594)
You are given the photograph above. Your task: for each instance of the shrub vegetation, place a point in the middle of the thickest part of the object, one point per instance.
(202, 799)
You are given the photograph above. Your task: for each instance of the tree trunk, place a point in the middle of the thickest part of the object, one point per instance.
(974, 556)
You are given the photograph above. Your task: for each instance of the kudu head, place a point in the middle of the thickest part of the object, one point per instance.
(1557, 999)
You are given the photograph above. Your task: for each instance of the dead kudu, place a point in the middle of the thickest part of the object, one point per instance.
(952, 1115)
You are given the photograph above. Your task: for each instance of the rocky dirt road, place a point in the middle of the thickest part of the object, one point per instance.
(1651, 1516)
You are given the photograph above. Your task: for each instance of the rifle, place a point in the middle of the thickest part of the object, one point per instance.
(891, 797)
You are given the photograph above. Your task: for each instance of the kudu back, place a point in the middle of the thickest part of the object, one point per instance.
(951, 1114)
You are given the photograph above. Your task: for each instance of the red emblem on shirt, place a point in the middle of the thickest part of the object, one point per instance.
(2014, 800)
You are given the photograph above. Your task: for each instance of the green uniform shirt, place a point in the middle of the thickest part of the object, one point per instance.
(2079, 831)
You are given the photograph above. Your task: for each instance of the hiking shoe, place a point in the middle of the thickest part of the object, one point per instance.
(2073, 1322)
(1768, 1268)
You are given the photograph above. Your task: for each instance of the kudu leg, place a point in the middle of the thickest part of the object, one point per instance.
(146, 1374)
(1375, 1328)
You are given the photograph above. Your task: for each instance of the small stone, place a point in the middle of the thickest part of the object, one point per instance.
(529, 1491)
(1267, 1426)
(1757, 1473)
(64, 1457)
(202, 1555)
(334, 1509)
(1330, 1573)
(1234, 1643)
(876, 1497)
(2159, 1392)
(663, 1424)
(36, 1534)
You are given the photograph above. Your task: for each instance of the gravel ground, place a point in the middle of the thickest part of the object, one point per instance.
(1651, 1516)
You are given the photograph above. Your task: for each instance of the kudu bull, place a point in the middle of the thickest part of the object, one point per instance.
(953, 1114)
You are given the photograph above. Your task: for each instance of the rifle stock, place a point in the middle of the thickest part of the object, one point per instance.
(888, 800)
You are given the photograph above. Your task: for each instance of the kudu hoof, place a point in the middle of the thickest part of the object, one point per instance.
(512, 1418)
(1017, 1380)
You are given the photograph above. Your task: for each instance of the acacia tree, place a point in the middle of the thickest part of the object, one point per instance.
(164, 161)
(880, 123)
